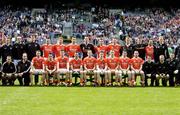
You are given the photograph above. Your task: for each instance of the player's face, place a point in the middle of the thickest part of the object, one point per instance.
(138, 41)
(150, 42)
(112, 54)
(125, 54)
(8, 59)
(8, 41)
(73, 40)
(50, 57)
(161, 57)
(114, 41)
(89, 53)
(61, 41)
(48, 41)
(76, 55)
(101, 55)
(86, 40)
(136, 54)
(172, 56)
(24, 57)
(62, 53)
(149, 59)
(38, 53)
(101, 42)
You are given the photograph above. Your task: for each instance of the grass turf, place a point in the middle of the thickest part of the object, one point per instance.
(89, 100)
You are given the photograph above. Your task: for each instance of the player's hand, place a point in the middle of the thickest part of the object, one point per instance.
(20, 74)
(124, 72)
(149, 75)
(9, 75)
(157, 76)
(137, 71)
(176, 71)
(163, 75)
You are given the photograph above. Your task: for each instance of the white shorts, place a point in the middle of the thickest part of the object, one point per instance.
(37, 71)
(62, 71)
(102, 72)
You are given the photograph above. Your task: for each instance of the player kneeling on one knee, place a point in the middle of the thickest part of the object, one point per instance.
(136, 66)
(50, 70)
(63, 69)
(113, 65)
(149, 71)
(37, 67)
(124, 65)
(89, 67)
(162, 71)
(8, 72)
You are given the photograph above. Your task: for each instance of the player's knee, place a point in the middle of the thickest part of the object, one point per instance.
(142, 72)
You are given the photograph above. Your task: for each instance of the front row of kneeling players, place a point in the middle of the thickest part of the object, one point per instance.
(54, 70)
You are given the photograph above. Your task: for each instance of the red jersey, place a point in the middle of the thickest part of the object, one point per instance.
(38, 62)
(89, 62)
(115, 48)
(113, 62)
(149, 51)
(104, 49)
(57, 48)
(136, 63)
(46, 50)
(76, 64)
(62, 62)
(50, 64)
(124, 63)
(72, 49)
(101, 63)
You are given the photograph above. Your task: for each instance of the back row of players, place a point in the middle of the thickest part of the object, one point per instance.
(111, 65)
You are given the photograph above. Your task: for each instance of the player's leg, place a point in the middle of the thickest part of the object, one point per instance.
(158, 77)
(83, 78)
(117, 76)
(171, 79)
(31, 77)
(4, 79)
(129, 74)
(133, 75)
(142, 77)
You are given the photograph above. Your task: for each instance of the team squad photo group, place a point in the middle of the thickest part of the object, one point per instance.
(102, 65)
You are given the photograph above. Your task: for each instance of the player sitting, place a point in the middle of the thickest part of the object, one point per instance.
(63, 69)
(136, 66)
(89, 67)
(113, 65)
(76, 67)
(101, 67)
(124, 65)
(50, 70)
(37, 67)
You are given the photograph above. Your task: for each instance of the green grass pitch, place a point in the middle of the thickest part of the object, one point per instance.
(89, 101)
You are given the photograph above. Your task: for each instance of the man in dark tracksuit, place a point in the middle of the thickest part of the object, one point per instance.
(6, 50)
(8, 72)
(172, 69)
(149, 71)
(177, 55)
(30, 48)
(140, 47)
(23, 70)
(87, 46)
(18, 50)
(161, 49)
(162, 71)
